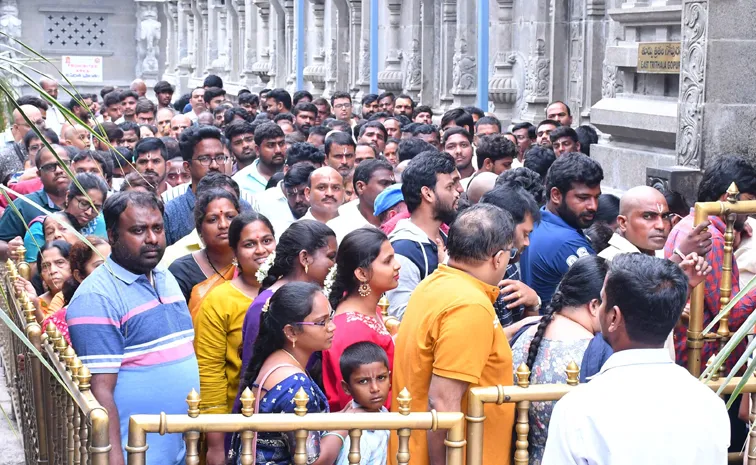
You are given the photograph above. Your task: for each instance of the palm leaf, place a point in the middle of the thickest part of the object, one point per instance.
(731, 304)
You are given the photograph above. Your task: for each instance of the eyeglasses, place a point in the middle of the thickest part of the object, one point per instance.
(51, 167)
(206, 160)
(322, 324)
(342, 106)
(85, 205)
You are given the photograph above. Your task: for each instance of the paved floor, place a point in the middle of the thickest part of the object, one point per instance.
(11, 449)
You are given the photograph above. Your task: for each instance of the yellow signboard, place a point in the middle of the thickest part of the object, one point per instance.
(659, 57)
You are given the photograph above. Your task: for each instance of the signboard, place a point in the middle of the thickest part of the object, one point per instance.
(659, 57)
(82, 68)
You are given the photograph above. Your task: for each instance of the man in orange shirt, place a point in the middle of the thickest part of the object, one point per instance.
(450, 339)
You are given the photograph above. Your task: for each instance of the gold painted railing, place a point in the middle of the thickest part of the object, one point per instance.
(300, 422)
(60, 420)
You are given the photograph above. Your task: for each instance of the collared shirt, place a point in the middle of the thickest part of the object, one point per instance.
(348, 220)
(55, 119)
(308, 216)
(11, 225)
(631, 412)
(618, 245)
(178, 191)
(373, 445)
(122, 324)
(250, 180)
(184, 246)
(713, 282)
(273, 204)
(554, 247)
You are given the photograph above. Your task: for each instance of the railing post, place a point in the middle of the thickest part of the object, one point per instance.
(522, 425)
(41, 399)
(300, 447)
(751, 452)
(247, 437)
(403, 454)
(192, 437)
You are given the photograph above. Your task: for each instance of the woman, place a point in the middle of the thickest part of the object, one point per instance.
(365, 268)
(218, 324)
(305, 252)
(296, 324)
(199, 272)
(84, 260)
(147, 130)
(54, 269)
(84, 215)
(566, 333)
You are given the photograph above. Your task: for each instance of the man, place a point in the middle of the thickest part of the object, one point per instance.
(54, 117)
(205, 118)
(393, 128)
(130, 134)
(164, 94)
(423, 115)
(526, 137)
(149, 159)
(132, 329)
(495, 153)
(573, 188)
(459, 118)
(79, 106)
(203, 151)
(559, 112)
(178, 124)
(324, 110)
(427, 133)
(341, 102)
(431, 190)
(139, 86)
(450, 339)
(241, 143)
(277, 101)
(286, 202)
(403, 105)
(339, 149)
(110, 132)
(13, 156)
(370, 178)
(389, 204)
(325, 194)
(249, 102)
(213, 97)
(641, 302)
(271, 154)
(482, 183)
(317, 135)
(458, 143)
(92, 162)
(304, 117)
(76, 136)
(374, 134)
(128, 106)
(176, 173)
(164, 117)
(364, 151)
(486, 126)
(301, 96)
(386, 102)
(539, 159)
(197, 101)
(145, 112)
(543, 132)
(113, 108)
(369, 105)
(564, 139)
(51, 197)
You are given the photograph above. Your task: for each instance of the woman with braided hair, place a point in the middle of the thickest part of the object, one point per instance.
(566, 333)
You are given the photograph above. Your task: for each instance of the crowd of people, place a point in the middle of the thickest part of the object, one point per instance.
(226, 244)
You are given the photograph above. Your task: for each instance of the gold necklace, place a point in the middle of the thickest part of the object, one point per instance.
(294, 358)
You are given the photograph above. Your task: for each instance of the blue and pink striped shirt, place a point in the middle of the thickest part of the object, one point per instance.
(119, 323)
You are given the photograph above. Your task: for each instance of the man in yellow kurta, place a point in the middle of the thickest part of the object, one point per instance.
(450, 339)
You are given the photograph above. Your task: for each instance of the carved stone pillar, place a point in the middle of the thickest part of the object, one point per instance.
(291, 45)
(448, 34)
(205, 40)
(392, 77)
(502, 87)
(148, 34)
(315, 73)
(170, 9)
(465, 66)
(248, 22)
(261, 68)
(210, 30)
(234, 39)
(363, 74)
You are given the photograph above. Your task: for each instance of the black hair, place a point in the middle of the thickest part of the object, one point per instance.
(193, 135)
(381, 115)
(551, 122)
(515, 200)
(213, 92)
(319, 131)
(171, 147)
(460, 118)
(322, 101)
(76, 101)
(124, 94)
(365, 170)
(284, 116)
(563, 131)
(527, 179)
(274, 180)
(127, 126)
(263, 93)
(88, 181)
(304, 152)
(409, 127)
(650, 292)
(281, 96)
(32, 100)
(422, 109)
(237, 128)
(608, 208)
(599, 233)
(340, 94)
(369, 98)
(298, 175)
(373, 124)
(358, 249)
(308, 235)
(295, 137)
(360, 353)
(479, 233)
(182, 101)
(419, 128)
(43, 150)
(495, 147)
(676, 202)
(721, 172)
(249, 99)
(49, 135)
(473, 110)
(336, 124)
(149, 144)
(422, 172)
(163, 87)
(205, 198)
(212, 81)
(453, 131)
(526, 125)
(569, 112)
(488, 120)
(145, 106)
(112, 98)
(587, 136)
(29, 137)
(63, 246)
(410, 148)
(304, 106)
(338, 138)
(215, 180)
(573, 168)
(267, 131)
(579, 286)
(387, 94)
(365, 144)
(299, 95)
(241, 221)
(539, 159)
(406, 97)
(119, 156)
(117, 203)
(357, 127)
(231, 113)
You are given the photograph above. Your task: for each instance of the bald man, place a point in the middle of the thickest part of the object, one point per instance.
(325, 193)
(138, 86)
(481, 183)
(75, 136)
(178, 124)
(54, 117)
(13, 155)
(163, 120)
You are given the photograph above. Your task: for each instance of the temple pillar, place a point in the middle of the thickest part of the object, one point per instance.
(261, 67)
(502, 87)
(315, 73)
(392, 78)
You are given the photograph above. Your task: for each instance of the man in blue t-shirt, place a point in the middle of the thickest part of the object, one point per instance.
(573, 187)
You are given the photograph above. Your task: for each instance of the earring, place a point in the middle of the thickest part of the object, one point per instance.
(364, 289)
(306, 268)
(235, 262)
(294, 344)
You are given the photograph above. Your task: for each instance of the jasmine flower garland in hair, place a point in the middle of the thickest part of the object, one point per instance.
(328, 283)
(262, 272)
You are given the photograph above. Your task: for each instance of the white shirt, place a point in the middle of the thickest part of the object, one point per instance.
(273, 205)
(55, 119)
(640, 409)
(348, 220)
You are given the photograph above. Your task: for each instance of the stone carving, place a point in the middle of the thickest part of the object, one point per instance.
(537, 74)
(364, 60)
(692, 83)
(414, 72)
(148, 41)
(463, 76)
(9, 23)
(611, 82)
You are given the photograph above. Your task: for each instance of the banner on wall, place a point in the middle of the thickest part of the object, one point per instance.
(82, 68)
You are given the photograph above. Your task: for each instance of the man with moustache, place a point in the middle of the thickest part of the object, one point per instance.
(150, 157)
(125, 307)
(241, 143)
(325, 194)
(339, 150)
(178, 124)
(270, 145)
(573, 187)
(431, 190)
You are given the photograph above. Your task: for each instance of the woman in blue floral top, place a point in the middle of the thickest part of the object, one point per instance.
(295, 324)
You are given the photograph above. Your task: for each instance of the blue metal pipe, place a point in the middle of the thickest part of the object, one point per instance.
(483, 54)
(374, 46)
(300, 43)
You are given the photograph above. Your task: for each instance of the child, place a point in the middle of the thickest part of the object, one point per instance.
(364, 366)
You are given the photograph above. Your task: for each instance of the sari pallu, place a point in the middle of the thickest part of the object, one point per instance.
(201, 290)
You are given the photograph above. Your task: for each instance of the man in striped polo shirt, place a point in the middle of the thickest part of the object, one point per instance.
(131, 327)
